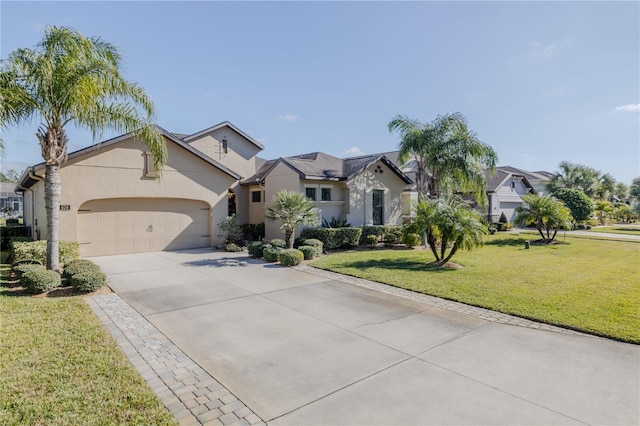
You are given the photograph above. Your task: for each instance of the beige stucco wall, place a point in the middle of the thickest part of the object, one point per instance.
(328, 209)
(255, 211)
(117, 171)
(360, 190)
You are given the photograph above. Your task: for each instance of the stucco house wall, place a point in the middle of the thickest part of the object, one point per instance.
(281, 177)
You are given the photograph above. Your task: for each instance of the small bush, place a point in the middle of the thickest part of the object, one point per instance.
(308, 252)
(255, 249)
(371, 240)
(253, 231)
(9, 233)
(12, 222)
(40, 280)
(290, 257)
(26, 262)
(231, 247)
(503, 218)
(411, 240)
(79, 266)
(88, 281)
(231, 230)
(380, 231)
(69, 251)
(26, 267)
(271, 253)
(492, 230)
(314, 243)
(497, 225)
(278, 242)
(389, 240)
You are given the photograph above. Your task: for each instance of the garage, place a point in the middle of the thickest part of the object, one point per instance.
(134, 225)
(509, 209)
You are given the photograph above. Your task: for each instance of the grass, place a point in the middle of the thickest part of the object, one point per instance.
(586, 285)
(60, 366)
(629, 230)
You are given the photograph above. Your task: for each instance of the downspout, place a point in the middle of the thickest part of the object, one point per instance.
(32, 174)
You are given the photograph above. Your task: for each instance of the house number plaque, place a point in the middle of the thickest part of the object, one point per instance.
(65, 207)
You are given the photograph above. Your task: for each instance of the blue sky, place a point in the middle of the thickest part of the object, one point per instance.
(541, 82)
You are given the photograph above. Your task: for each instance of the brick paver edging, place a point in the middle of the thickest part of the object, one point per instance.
(485, 314)
(187, 390)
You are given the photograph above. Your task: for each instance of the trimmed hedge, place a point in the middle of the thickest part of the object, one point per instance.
(26, 267)
(411, 240)
(309, 252)
(9, 233)
(371, 240)
(314, 243)
(271, 253)
(333, 238)
(69, 251)
(231, 247)
(79, 266)
(278, 242)
(379, 231)
(40, 280)
(290, 257)
(88, 281)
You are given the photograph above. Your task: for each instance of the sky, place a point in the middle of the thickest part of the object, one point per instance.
(541, 82)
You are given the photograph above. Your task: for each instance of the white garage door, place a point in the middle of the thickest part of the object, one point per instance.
(133, 225)
(509, 209)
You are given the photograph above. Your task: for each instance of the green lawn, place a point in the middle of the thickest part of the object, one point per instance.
(630, 230)
(60, 366)
(588, 285)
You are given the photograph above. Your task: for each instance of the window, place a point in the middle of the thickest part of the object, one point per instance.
(378, 206)
(326, 194)
(311, 193)
(225, 145)
(256, 196)
(149, 165)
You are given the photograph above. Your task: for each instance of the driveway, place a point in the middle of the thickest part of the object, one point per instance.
(298, 348)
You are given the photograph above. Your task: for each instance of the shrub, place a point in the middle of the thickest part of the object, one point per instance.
(88, 281)
(389, 240)
(69, 250)
(9, 233)
(492, 230)
(333, 238)
(314, 243)
(497, 225)
(40, 280)
(507, 226)
(26, 267)
(231, 247)
(12, 222)
(411, 240)
(371, 240)
(335, 223)
(255, 249)
(231, 230)
(271, 253)
(278, 242)
(349, 237)
(503, 218)
(308, 252)
(79, 266)
(253, 231)
(577, 201)
(380, 231)
(25, 262)
(290, 257)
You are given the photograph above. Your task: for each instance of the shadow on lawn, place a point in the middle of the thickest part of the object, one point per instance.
(510, 242)
(403, 264)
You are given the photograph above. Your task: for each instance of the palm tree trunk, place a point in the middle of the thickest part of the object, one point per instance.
(451, 253)
(290, 237)
(52, 192)
(432, 245)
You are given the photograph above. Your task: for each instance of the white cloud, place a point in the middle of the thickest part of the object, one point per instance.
(289, 118)
(353, 152)
(628, 107)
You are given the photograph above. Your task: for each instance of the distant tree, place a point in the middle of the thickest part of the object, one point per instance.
(10, 176)
(293, 209)
(592, 182)
(621, 191)
(603, 209)
(606, 186)
(546, 213)
(634, 188)
(450, 225)
(577, 201)
(625, 213)
(449, 157)
(69, 78)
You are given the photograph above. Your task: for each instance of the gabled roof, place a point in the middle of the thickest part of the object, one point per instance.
(529, 175)
(26, 181)
(321, 166)
(219, 126)
(501, 175)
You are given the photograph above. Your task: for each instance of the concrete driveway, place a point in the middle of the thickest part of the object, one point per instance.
(298, 348)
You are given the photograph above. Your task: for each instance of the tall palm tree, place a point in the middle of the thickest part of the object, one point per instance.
(293, 209)
(547, 213)
(449, 157)
(69, 78)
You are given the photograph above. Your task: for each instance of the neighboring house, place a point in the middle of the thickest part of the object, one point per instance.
(113, 203)
(505, 189)
(538, 180)
(10, 201)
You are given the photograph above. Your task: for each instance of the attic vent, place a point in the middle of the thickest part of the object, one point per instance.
(379, 169)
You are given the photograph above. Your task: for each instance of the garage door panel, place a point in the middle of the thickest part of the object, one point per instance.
(137, 225)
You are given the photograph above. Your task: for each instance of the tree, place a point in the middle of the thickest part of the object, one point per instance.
(449, 225)
(577, 201)
(69, 78)
(547, 214)
(293, 209)
(621, 191)
(449, 157)
(592, 182)
(10, 176)
(603, 209)
(634, 188)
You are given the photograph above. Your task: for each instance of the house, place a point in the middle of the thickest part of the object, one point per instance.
(10, 201)
(113, 203)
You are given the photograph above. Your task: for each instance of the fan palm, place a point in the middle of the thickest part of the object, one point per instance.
(448, 156)
(293, 209)
(69, 78)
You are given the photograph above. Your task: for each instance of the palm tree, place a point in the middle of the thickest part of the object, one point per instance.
(449, 157)
(69, 78)
(449, 225)
(547, 214)
(293, 209)
(592, 182)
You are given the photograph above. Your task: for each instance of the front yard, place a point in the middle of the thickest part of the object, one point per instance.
(587, 285)
(59, 365)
